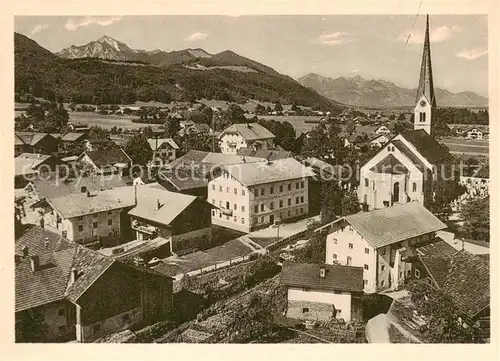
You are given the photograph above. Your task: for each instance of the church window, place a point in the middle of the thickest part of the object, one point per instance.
(414, 187)
(422, 117)
(366, 182)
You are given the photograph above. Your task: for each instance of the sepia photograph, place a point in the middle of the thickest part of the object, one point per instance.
(253, 179)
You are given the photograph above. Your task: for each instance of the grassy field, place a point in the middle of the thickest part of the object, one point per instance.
(297, 121)
(104, 121)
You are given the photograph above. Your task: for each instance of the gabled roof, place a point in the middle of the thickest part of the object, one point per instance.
(108, 157)
(262, 172)
(337, 277)
(156, 144)
(382, 227)
(31, 138)
(436, 257)
(390, 165)
(427, 146)
(72, 136)
(249, 131)
(409, 154)
(26, 163)
(271, 154)
(172, 204)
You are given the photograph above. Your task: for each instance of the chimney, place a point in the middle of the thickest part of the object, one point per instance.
(322, 272)
(26, 252)
(158, 204)
(74, 275)
(88, 193)
(248, 125)
(47, 243)
(35, 263)
(244, 160)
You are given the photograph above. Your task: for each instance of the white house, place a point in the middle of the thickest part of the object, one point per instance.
(476, 133)
(378, 240)
(164, 151)
(253, 195)
(249, 135)
(379, 140)
(322, 292)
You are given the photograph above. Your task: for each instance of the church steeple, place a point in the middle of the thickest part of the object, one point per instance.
(426, 100)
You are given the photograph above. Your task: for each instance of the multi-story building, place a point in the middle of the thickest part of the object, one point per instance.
(30, 142)
(164, 151)
(249, 135)
(254, 195)
(378, 242)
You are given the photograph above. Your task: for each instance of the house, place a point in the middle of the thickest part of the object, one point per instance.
(476, 133)
(107, 161)
(249, 135)
(478, 185)
(72, 138)
(377, 241)
(164, 151)
(379, 140)
(28, 166)
(79, 128)
(65, 292)
(90, 217)
(463, 276)
(30, 142)
(321, 292)
(183, 220)
(271, 154)
(252, 195)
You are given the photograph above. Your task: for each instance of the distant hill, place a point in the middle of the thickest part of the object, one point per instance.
(106, 73)
(380, 93)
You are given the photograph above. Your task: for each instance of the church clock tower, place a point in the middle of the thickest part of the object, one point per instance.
(426, 100)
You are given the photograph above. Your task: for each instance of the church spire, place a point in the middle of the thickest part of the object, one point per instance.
(425, 84)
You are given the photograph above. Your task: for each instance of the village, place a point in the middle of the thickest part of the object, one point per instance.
(227, 224)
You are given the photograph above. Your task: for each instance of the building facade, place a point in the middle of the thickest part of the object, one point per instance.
(250, 135)
(164, 151)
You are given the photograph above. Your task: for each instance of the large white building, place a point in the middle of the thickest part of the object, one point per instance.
(257, 194)
(378, 242)
(249, 135)
(164, 151)
(405, 167)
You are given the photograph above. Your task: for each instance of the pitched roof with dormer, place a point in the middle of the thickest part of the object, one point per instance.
(249, 131)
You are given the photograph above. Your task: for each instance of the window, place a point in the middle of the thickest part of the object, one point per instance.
(408, 273)
(235, 219)
(228, 205)
(227, 218)
(289, 213)
(297, 199)
(261, 219)
(334, 256)
(297, 185)
(351, 246)
(262, 191)
(80, 218)
(349, 260)
(213, 213)
(301, 210)
(382, 268)
(414, 187)
(220, 188)
(289, 201)
(281, 204)
(301, 184)
(80, 228)
(382, 283)
(61, 312)
(213, 187)
(110, 212)
(227, 190)
(220, 214)
(256, 209)
(290, 186)
(296, 211)
(366, 182)
(422, 117)
(335, 240)
(302, 199)
(271, 205)
(281, 188)
(242, 192)
(262, 207)
(271, 190)
(367, 250)
(386, 203)
(95, 224)
(235, 191)
(242, 220)
(110, 222)
(365, 282)
(243, 208)
(338, 312)
(220, 204)
(417, 273)
(305, 309)
(366, 267)
(235, 206)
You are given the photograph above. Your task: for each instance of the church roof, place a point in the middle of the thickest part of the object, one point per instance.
(427, 146)
(390, 165)
(425, 83)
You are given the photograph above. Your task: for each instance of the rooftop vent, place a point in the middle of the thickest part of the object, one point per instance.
(35, 263)
(322, 272)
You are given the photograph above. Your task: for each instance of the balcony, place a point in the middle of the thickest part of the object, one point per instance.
(144, 228)
(226, 211)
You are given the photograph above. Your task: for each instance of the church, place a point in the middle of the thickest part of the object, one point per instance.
(404, 168)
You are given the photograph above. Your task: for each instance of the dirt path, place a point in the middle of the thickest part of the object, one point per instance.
(377, 329)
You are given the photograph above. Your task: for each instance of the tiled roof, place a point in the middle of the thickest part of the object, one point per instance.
(72, 137)
(172, 204)
(264, 153)
(53, 187)
(427, 146)
(31, 138)
(250, 131)
(191, 156)
(153, 142)
(468, 282)
(26, 163)
(389, 225)
(391, 165)
(219, 159)
(337, 277)
(436, 257)
(409, 154)
(253, 173)
(79, 204)
(108, 157)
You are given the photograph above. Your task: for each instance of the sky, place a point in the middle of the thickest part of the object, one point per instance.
(384, 47)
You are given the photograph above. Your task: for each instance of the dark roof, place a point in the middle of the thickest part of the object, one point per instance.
(191, 156)
(271, 154)
(107, 157)
(184, 178)
(391, 165)
(73, 137)
(32, 138)
(337, 277)
(436, 257)
(468, 282)
(428, 146)
(409, 154)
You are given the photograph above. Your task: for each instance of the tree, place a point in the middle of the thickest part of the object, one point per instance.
(443, 193)
(476, 215)
(401, 126)
(260, 109)
(205, 143)
(337, 201)
(138, 149)
(172, 127)
(235, 114)
(278, 107)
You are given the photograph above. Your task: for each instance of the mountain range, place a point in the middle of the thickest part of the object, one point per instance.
(108, 71)
(358, 91)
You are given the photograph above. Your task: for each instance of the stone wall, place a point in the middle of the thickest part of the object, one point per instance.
(314, 311)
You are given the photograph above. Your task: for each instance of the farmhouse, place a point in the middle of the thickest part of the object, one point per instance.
(378, 240)
(28, 166)
(164, 151)
(476, 133)
(250, 135)
(379, 140)
(252, 195)
(64, 291)
(106, 161)
(30, 142)
(322, 292)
